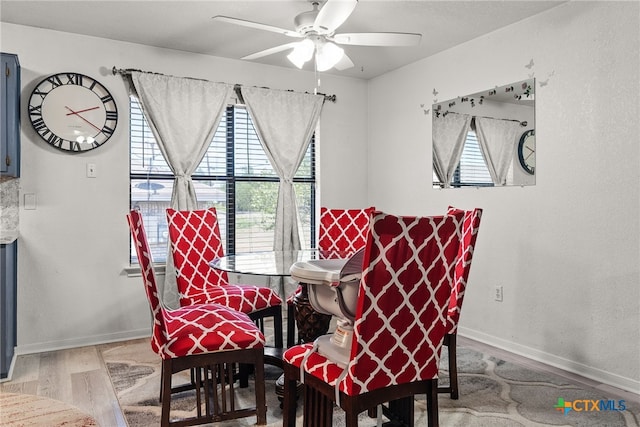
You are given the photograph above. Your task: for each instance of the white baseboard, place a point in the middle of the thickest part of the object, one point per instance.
(11, 366)
(82, 341)
(595, 374)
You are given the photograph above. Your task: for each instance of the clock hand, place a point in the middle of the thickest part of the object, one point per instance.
(81, 111)
(76, 113)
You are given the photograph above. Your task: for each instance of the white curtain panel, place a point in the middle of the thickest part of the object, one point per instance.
(497, 140)
(285, 122)
(449, 134)
(183, 115)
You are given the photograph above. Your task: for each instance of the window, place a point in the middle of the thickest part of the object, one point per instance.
(472, 169)
(235, 177)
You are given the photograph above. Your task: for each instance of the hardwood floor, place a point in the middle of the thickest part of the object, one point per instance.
(76, 376)
(79, 377)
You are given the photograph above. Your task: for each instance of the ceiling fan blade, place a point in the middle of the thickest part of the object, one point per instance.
(344, 63)
(378, 39)
(270, 51)
(257, 25)
(333, 14)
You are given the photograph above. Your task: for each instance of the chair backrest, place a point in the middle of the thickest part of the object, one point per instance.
(195, 242)
(401, 314)
(470, 228)
(343, 230)
(148, 276)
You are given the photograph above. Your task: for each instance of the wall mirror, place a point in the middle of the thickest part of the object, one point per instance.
(486, 139)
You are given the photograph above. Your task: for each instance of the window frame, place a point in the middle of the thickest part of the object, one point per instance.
(231, 178)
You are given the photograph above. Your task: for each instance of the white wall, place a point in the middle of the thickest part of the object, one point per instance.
(71, 287)
(566, 250)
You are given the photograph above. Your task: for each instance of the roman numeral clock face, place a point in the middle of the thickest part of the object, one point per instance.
(73, 112)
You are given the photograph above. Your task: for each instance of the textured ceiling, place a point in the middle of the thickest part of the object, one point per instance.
(187, 25)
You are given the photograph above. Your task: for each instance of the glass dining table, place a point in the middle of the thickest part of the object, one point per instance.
(310, 324)
(277, 265)
(267, 263)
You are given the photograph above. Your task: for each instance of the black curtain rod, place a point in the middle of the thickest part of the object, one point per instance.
(236, 87)
(523, 124)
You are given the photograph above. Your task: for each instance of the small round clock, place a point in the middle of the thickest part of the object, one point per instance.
(527, 151)
(73, 112)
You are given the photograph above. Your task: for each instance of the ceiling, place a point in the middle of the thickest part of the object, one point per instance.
(187, 25)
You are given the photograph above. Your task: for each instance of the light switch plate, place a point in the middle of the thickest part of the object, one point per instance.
(29, 201)
(92, 172)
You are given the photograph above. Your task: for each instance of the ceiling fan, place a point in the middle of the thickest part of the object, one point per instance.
(317, 29)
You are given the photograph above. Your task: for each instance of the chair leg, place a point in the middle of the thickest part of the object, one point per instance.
(351, 419)
(289, 398)
(277, 326)
(261, 402)
(161, 382)
(432, 403)
(291, 325)
(166, 392)
(453, 367)
(402, 411)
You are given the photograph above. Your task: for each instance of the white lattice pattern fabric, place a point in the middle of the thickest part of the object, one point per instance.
(470, 228)
(190, 329)
(195, 241)
(402, 305)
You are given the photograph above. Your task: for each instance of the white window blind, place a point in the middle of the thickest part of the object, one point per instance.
(472, 169)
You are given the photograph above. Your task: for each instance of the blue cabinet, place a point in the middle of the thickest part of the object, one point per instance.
(10, 116)
(8, 303)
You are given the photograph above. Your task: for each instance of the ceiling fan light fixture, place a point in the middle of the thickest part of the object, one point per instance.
(328, 55)
(315, 31)
(302, 53)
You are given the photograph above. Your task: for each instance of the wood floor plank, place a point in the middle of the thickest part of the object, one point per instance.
(92, 393)
(29, 387)
(82, 359)
(54, 381)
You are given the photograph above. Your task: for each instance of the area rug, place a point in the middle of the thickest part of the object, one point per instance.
(493, 393)
(21, 410)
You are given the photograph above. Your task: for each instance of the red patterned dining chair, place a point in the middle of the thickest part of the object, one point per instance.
(195, 242)
(401, 320)
(470, 228)
(203, 338)
(341, 231)
(344, 230)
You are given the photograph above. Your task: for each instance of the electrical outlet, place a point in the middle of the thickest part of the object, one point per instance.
(497, 294)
